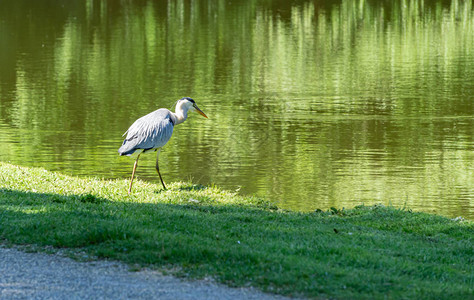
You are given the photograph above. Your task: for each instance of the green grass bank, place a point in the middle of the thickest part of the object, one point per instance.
(195, 231)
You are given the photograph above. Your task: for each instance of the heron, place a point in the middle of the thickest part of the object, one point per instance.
(154, 130)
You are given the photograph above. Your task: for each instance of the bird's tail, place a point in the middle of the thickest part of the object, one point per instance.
(125, 149)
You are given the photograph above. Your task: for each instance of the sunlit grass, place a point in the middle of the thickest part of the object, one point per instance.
(198, 231)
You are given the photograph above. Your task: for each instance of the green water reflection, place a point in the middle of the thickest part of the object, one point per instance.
(311, 104)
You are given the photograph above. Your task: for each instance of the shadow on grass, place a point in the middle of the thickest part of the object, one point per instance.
(83, 220)
(194, 187)
(55, 198)
(59, 220)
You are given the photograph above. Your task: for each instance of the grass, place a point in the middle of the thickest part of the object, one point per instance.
(197, 231)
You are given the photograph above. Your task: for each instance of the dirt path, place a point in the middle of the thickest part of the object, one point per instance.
(44, 276)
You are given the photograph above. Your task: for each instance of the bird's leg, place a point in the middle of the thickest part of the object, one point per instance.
(158, 169)
(133, 174)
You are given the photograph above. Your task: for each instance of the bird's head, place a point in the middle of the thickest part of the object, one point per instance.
(190, 104)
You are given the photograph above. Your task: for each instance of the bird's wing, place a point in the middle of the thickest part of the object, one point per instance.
(151, 131)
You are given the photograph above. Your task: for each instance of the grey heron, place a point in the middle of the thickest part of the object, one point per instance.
(154, 130)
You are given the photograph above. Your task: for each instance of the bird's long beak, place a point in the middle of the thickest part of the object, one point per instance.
(200, 111)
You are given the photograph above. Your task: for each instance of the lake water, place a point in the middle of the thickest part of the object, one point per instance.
(311, 104)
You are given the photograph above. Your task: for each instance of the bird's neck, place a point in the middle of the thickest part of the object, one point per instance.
(181, 114)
